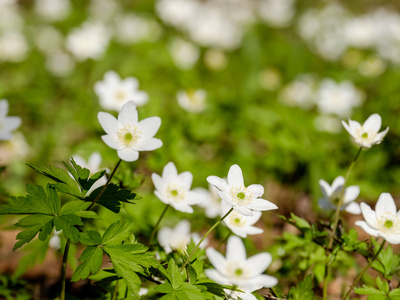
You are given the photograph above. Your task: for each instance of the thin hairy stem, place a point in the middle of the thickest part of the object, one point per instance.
(363, 271)
(153, 233)
(204, 237)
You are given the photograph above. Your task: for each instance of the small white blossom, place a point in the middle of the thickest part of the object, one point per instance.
(236, 269)
(384, 221)
(174, 189)
(211, 203)
(52, 10)
(241, 225)
(332, 194)
(55, 241)
(177, 238)
(277, 13)
(114, 92)
(366, 135)
(60, 63)
(242, 199)
(7, 124)
(127, 135)
(184, 54)
(192, 101)
(145, 29)
(13, 46)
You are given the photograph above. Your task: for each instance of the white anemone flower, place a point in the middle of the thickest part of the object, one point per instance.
(193, 101)
(235, 269)
(7, 124)
(127, 135)
(332, 194)
(366, 135)
(242, 199)
(211, 203)
(239, 224)
(174, 189)
(114, 92)
(384, 221)
(177, 238)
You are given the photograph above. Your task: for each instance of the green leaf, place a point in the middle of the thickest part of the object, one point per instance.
(112, 197)
(92, 259)
(34, 224)
(116, 233)
(129, 260)
(90, 238)
(36, 202)
(67, 224)
(175, 276)
(164, 288)
(65, 183)
(304, 290)
(380, 293)
(78, 208)
(387, 262)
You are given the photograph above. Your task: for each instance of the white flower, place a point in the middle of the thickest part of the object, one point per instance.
(127, 135)
(145, 29)
(13, 46)
(88, 41)
(104, 10)
(243, 199)
(60, 63)
(366, 135)
(192, 101)
(384, 221)
(277, 13)
(338, 98)
(114, 92)
(7, 124)
(93, 164)
(177, 238)
(184, 54)
(211, 203)
(15, 149)
(300, 92)
(241, 225)
(235, 269)
(52, 10)
(174, 189)
(55, 241)
(332, 194)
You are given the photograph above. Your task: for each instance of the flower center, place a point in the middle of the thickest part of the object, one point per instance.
(388, 224)
(236, 219)
(364, 135)
(128, 135)
(175, 192)
(237, 269)
(238, 272)
(240, 195)
(120, 96)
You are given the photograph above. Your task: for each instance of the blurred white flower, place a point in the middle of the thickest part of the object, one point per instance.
(127, 135)
(211, 203)
(192, 101)
(88, 41)
(60, 63)
(215, 60)
(13, 46)
(243, 199)
(235, 269)
(372, 66)
(270, 79)
(174, 189)
(132, 28)
(327, 123)
(300, 92)
(55, 240)
(114, 92)
(103, 10)
(14, 150)
(239, 224)
(7, 123)
(53, 10)
(10, 17)
(366, 135)
(384, 221)
(184, 54)
(177, 239)
(332, 194)
(277, 13)
(337, 98)
(93, 164)
(48, 39)
(177, 12)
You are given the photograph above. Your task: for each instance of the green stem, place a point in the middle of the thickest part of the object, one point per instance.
(153, 233)
(204, 237)
(363, 271)
(114, 297)
(64, 269)
(325, 290)
(336, 221)
(68, 244)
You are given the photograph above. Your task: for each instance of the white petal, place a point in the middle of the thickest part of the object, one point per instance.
(264, 281)
(131, 84)
(325, 188)
(182, 228)
(239, 231)
(3, 108)
(254, 218)
(351, 193)
(112, 78)
(392, 239)
(354, 125)
(256, 189)
(251, 230)
(182, 207)
(161, 197)
(385, 204)
(148, 145)
(259, 263)
(112, 142)
(369, 215)
(242, 210)
(353, 208)
(194, 197)
(128, 114)
(235, 249)
(149, 127)
(128, 154)
(379, 137)
(235, 176)
(217, 260)
(338, 183)
(11, 123)
(94, 161)
(108, 122)
(140, 98)
(325, 204)
(164, 236)
(216, 276)
(185, 179)
(261, 204)
(158, 182)
(373, 123)
(368, 229)
(219, 183)
(169, 172)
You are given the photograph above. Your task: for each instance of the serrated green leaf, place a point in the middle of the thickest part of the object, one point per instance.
(67, 224)
(304, 290)
(164, 288)
(129, 260)
(395, 293)
(112, 197)
(90, 238)
(175, 275)
(73, 207)
(64, 182)
(116, 233)
(387, 262)
(299, 222)
(92, 259)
